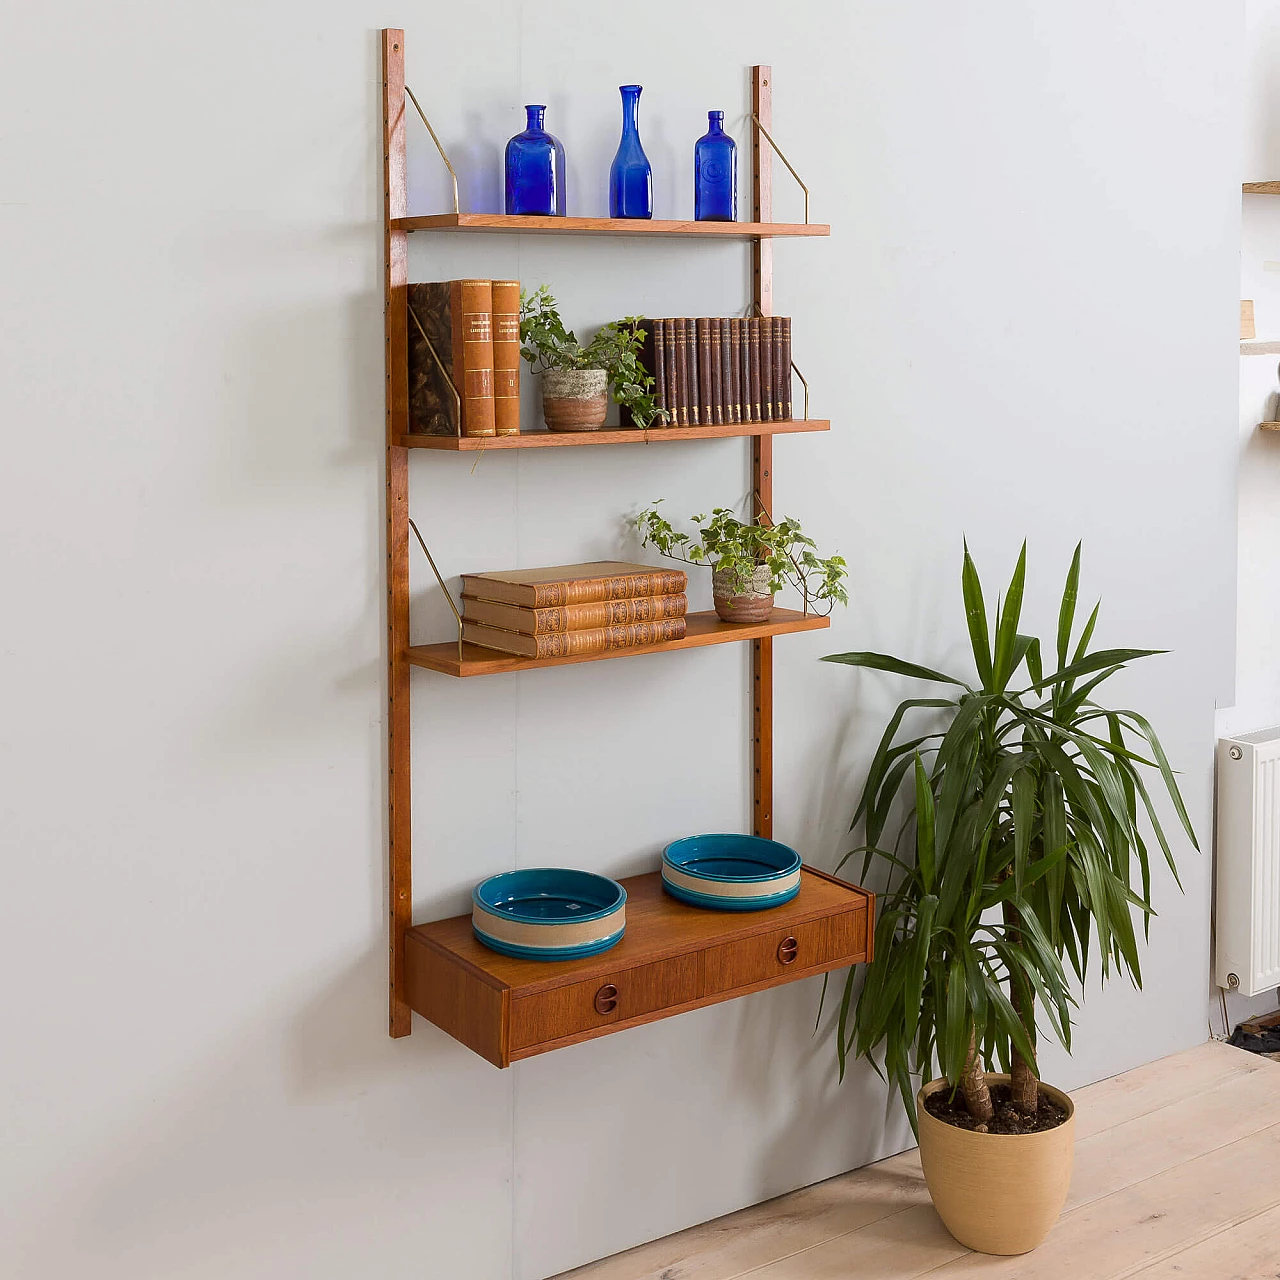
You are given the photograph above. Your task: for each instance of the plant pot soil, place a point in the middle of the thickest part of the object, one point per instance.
(575, 399)
(755, 605)
(997, 1192)
(1007, 1118)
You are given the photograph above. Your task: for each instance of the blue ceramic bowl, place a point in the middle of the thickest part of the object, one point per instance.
(731, 872)
(549, 913)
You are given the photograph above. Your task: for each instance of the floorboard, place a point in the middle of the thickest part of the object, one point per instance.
(1177, 1175)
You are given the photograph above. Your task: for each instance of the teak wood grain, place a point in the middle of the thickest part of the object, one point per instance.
(1262, 188)
(629, 435)
(673, 958)
(607, 226)
(395, 295)
(700, 629)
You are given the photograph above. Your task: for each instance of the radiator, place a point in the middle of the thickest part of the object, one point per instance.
(1247, 913)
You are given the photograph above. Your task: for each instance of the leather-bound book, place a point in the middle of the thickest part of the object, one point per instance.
(682, 372)
(753, 368)
(705, 370)
(566, 584)
(649, 357)
(726, 373)
(717, 374)
(658, 370)
(766, 368)
(574, 617)
(456, 319)
(694, 395)
(787, 409)
(672, 376)
(781, 369)
(735, 361)
(574, 644)
(506, 357)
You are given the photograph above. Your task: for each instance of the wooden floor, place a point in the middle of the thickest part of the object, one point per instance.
(1177, 1177)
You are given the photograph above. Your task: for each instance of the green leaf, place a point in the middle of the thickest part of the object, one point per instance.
(1067, 611)
(883, 662)
(975, 611)
(924, 829)
(1007, 631)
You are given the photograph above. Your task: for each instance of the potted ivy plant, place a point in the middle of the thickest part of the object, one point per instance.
(752, 561)
(577, 379)
(1024, 797)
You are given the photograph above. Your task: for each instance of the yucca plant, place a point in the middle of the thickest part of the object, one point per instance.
(1025, 812)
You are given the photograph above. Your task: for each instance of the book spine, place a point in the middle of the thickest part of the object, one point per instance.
(661, 582)
(506, 357)
(735, 368)
(780, 370)
(706, 389)
(471, 310)
(717, 380)
(744, 368)
(648, 358)
(695, 389)
(766, 368)
(658, 339)
(726, 380)
(576, 644)
(787, 409)
(574, 617)
(673, 381)
(682, 363)
(753, 367)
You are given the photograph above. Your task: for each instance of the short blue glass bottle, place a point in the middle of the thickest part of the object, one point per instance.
(715, 173)
(630, 177)
(535, 169)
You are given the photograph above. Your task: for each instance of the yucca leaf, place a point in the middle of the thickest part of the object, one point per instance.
(1006, 634)
(883, 662)
(975, 612)
(1067, 610)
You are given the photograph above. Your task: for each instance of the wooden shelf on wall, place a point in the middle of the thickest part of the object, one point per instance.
(1269, 426)
(627, 435)
(673, 958)
(1262, 188)
(606, 226)
(701, 629)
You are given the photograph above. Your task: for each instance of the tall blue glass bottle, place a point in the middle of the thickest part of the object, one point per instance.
(535, 169)
(630, 177)
(715, 173)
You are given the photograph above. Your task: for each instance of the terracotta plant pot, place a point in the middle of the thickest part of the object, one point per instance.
(997, 1192)
(754, 605)
(575, 399)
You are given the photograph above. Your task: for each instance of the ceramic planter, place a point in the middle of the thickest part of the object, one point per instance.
(996, 1192)
(753, 605)
(574, 399)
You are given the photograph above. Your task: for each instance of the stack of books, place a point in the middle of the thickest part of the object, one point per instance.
(574, 610)
(464, 358)
(717, 370)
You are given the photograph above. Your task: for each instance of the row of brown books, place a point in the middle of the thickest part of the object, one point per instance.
(570, 611)
(719, 370)
(464, 358)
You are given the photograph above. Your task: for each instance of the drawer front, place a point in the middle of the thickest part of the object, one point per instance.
(583, 1006)
(783, 951)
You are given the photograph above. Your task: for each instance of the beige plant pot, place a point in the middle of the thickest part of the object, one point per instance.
(754, 605)
(575, 399)
(997, 1192)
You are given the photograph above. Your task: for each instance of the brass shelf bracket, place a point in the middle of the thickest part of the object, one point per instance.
(454, 176)
(431, 561)
(776, 151)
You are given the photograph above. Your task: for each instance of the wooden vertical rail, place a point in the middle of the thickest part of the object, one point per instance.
(399, 785)
(762, 454)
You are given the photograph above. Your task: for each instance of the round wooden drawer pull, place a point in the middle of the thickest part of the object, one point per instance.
(788, 949)
(607, 998)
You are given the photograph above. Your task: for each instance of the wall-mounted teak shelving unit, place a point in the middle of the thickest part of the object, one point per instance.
(673, 957)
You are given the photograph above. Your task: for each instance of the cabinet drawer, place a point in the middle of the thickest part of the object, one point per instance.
(580, 1006)
(785, 950)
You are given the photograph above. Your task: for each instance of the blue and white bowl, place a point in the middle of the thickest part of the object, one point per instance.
(549, 913)
(731, 872)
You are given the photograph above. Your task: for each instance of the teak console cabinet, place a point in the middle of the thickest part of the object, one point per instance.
(673, 957)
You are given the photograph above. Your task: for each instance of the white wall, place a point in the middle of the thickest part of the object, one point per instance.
(1023, 323)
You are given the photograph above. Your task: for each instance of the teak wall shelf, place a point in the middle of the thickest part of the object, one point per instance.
(673, 957)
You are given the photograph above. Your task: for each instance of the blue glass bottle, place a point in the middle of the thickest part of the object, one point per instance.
(630, 177)
(535, 169)
(715, 173)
